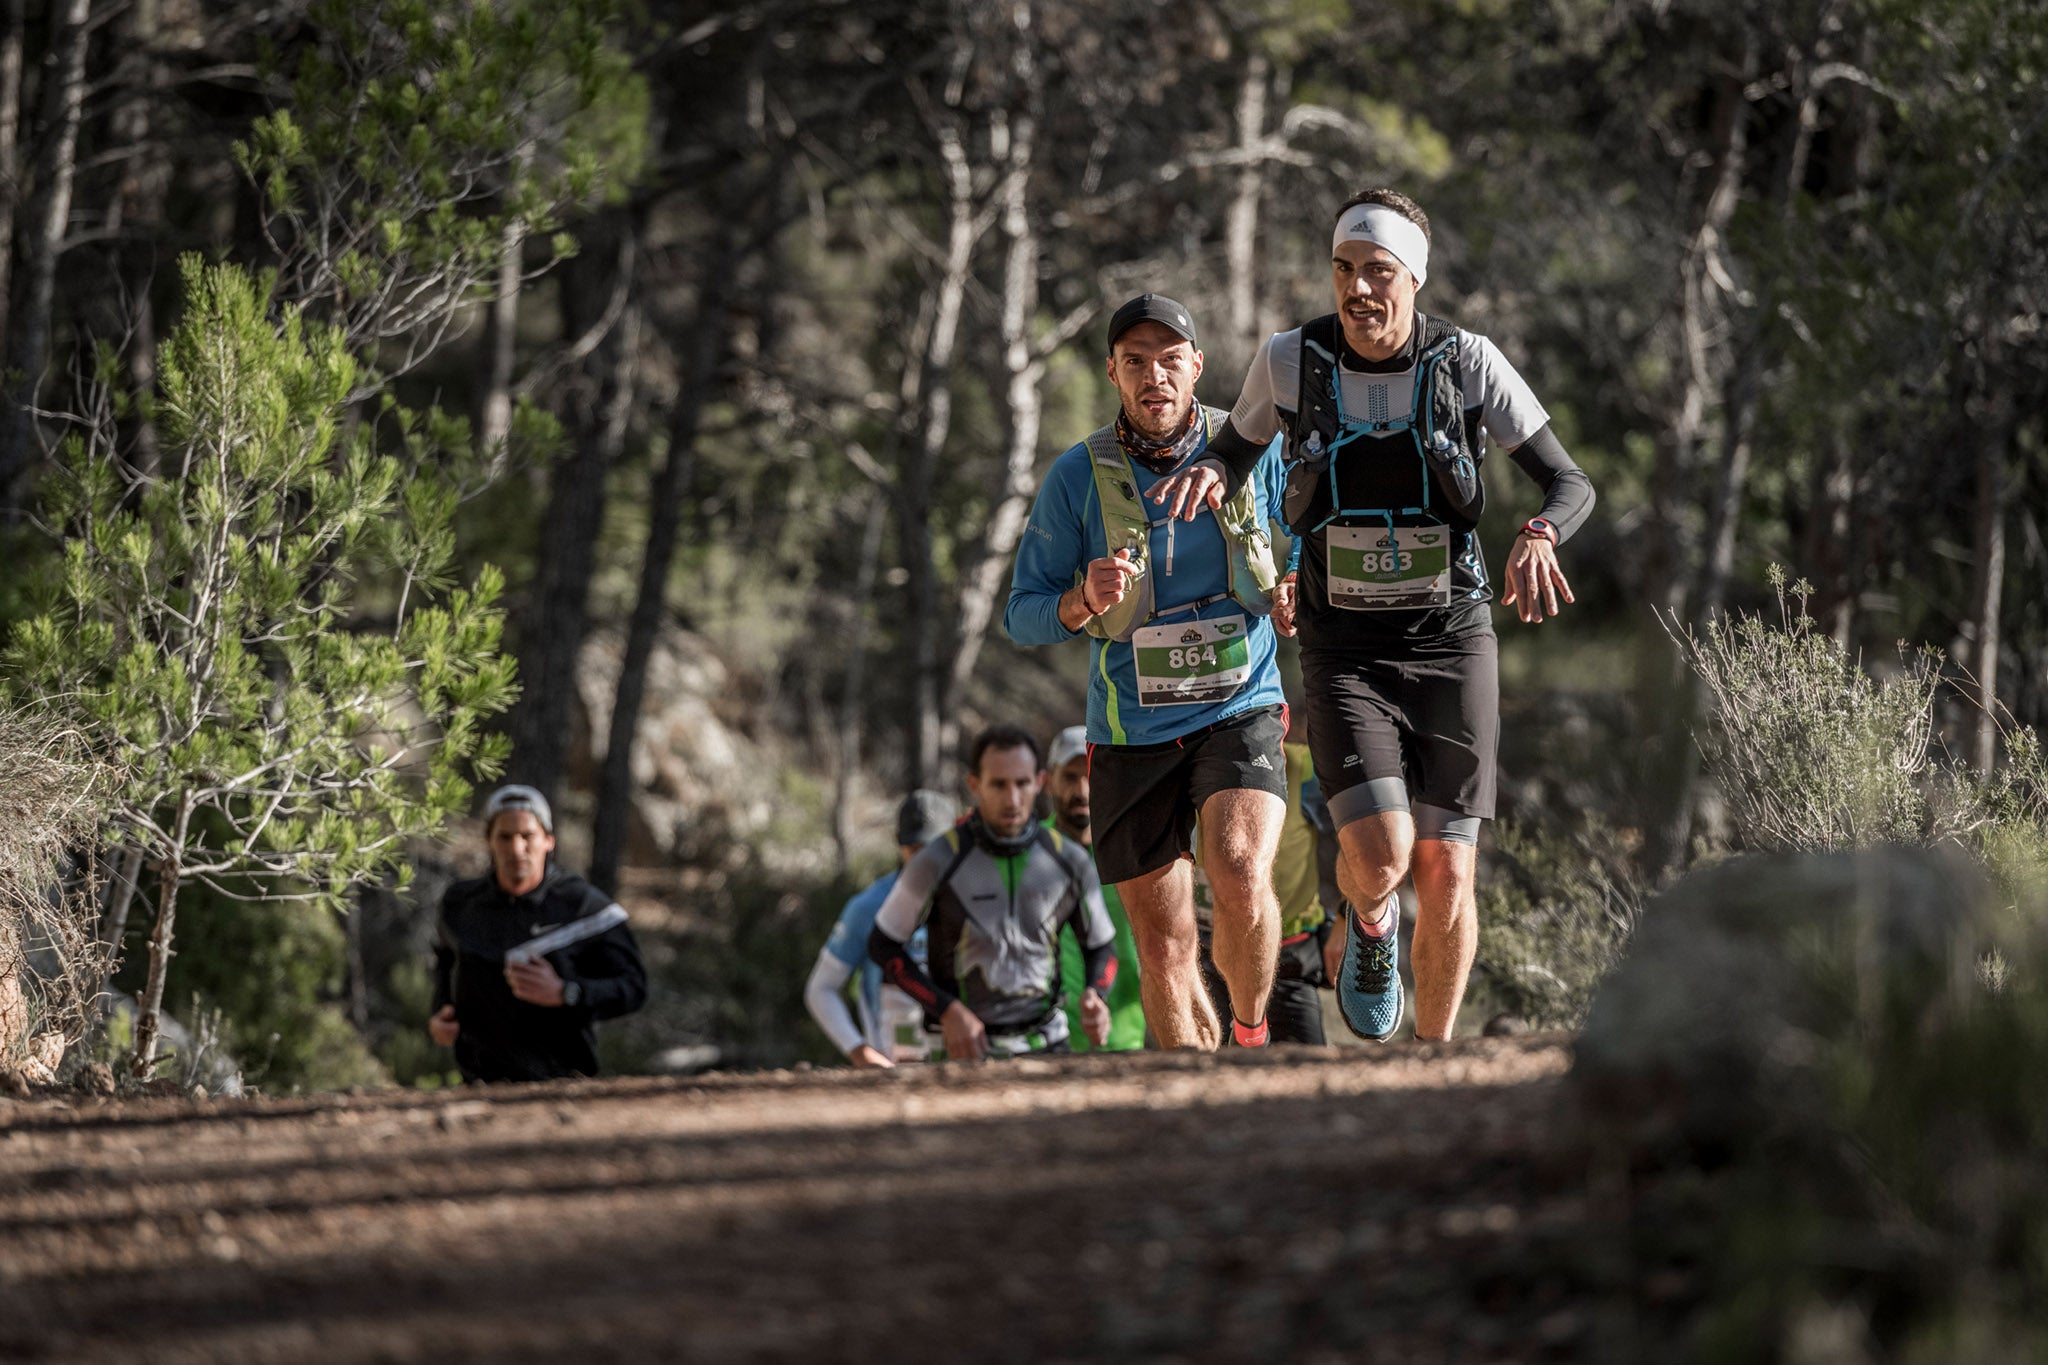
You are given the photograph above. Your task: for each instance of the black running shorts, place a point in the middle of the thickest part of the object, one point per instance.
(1144, 797)
(1424, 714)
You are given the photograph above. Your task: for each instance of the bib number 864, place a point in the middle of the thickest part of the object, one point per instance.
(1194, 656)
(1388, 561)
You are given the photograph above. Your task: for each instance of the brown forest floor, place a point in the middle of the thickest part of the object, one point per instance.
(1416, 1203)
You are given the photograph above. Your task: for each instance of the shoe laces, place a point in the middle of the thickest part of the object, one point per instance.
(1375, 965)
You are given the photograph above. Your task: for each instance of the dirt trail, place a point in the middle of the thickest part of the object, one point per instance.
(1416, 1203)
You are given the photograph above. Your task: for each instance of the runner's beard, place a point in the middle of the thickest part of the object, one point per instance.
(1174, 425)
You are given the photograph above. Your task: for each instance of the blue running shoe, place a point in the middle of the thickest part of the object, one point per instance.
(1369, 987)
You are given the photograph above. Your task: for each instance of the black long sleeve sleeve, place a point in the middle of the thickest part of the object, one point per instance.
(906, 974)
(1098, 966)
(1237, 456)
(610, 973)
(1567, 492)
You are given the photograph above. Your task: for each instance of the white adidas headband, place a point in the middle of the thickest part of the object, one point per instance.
(1382, 226)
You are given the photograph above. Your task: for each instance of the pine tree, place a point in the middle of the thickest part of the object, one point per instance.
(265, 636)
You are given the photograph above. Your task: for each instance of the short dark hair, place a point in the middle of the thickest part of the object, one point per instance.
(1003, 737)
(1389, 199)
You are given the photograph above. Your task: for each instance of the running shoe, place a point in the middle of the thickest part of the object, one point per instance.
(1369, 987)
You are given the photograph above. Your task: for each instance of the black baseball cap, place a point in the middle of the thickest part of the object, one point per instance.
(924, 816)
(1168, 313)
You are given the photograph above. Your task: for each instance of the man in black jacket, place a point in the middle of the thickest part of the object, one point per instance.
(512, 1014)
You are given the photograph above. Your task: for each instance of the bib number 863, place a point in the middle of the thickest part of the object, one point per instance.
(1194, 656)
(1388, 561)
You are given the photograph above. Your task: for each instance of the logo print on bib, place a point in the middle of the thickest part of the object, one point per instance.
(1427, 538)
(1227, 628)
(1191, 636)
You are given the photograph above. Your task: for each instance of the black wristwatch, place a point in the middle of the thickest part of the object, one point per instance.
(1537, 526)
(572, 993)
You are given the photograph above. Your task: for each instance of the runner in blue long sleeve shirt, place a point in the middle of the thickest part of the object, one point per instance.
(1185, 708)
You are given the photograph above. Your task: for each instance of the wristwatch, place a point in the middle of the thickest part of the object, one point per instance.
(1537, 526)
(572, 993)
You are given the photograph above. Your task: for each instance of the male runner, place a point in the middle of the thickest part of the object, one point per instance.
(890, 1028)
(1385, 412)
(517, 1014)
(1066, 783)
(1185, 711)
(999, 889)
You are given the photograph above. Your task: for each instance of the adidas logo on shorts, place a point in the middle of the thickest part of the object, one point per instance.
(1263, 762)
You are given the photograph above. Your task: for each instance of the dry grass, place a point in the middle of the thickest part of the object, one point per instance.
(52, 961)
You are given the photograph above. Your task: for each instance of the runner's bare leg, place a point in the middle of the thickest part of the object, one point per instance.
(1446, 932)
(1240, 838)
(1161, 908)
(1373, 858)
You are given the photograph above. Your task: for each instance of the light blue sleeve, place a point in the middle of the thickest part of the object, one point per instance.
(1053, 549)
(849, 940)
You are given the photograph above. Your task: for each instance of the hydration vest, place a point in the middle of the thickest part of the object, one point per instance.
(1126, 525)
(1319, 427)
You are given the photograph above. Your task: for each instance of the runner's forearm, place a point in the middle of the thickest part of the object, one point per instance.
(1098, 966)
(1567, 492)
(823, 998)
(906, 973)
(1235, 455)
(1073, 611)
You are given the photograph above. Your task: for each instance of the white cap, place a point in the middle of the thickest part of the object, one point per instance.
(516, 797)
(1068, 745)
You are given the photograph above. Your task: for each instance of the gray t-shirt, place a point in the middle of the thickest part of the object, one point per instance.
(1387, 471)
(1507, 407)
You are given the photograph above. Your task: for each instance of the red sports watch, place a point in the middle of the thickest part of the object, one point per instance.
(1537, 526)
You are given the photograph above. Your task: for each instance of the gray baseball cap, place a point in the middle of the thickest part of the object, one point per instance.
(924, 816)
(1068, 745)
(516, 797)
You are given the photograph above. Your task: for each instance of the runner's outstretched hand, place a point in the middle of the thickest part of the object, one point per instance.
(1284, 593)
(1535, 579)
(1094, 1017)
(966, 1038)
(1185, 494)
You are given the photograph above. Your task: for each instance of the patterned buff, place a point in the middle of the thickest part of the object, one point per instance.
(1159, 456)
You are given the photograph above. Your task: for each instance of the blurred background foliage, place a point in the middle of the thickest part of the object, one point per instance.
(743, 331)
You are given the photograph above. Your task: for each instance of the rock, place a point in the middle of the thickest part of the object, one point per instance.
(1744, 976)
(1505, 1026)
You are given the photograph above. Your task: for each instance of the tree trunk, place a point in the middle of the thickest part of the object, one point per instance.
(921, 457)
(1669, 762)
(853, 700)
(671, 487)
(1830, 558)
(149, 1011)
(121, 888)
(501, 336)
(1241, 221)
(556, 614)
(986, 579)
(139, 205)
(13, 24)
(1987, 582)
(49, 214)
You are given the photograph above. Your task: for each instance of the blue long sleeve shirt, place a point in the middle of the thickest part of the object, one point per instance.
(1066, 532)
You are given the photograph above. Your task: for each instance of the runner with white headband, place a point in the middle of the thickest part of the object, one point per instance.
(1386, 412)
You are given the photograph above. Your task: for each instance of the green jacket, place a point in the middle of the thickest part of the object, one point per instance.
(1126, 1010)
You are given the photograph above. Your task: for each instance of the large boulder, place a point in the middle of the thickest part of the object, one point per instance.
(1746, 978)
(709, 762)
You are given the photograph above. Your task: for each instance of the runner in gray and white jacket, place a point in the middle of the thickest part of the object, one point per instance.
(998, 889)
